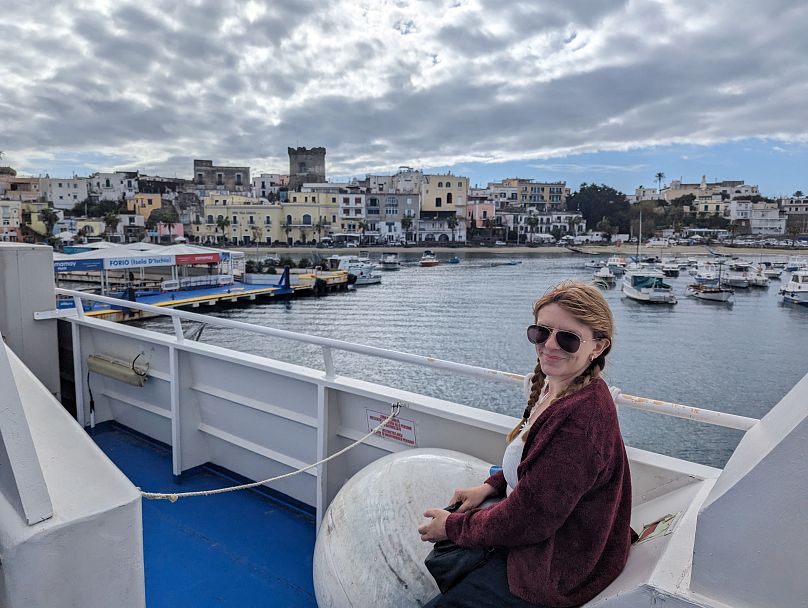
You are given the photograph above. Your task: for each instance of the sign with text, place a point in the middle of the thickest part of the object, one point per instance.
(398, 429)
(71, 265)
(197, 258)
(139, 262)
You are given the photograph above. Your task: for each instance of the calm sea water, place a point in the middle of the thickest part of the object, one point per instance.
(740, 359)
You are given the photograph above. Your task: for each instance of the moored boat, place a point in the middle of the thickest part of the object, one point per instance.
(428, 259)
(390, 261)
(645, 285)
(711, 294)
(796, 290)
(605, 276)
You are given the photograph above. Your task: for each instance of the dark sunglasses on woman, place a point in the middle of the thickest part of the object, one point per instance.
(567, 341)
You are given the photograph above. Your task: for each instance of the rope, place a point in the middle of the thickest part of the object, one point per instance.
(176, 496)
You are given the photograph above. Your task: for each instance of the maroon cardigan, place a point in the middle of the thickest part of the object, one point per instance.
(567, 522)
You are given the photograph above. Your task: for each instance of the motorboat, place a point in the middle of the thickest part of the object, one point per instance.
(645, 285)
(796, 262)
(428, 259)
(617, 264)
(360, 268)
(605, 276)
(670, 269)
(454, 260)
(594, 264)
(758, 278)
(796, 290)
(711, 294)
(390, 261)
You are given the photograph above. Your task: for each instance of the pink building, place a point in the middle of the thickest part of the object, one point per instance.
(478, 212)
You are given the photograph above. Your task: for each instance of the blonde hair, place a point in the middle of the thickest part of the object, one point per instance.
(588, 306)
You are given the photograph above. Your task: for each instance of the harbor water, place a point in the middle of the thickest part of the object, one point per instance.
(740, 359)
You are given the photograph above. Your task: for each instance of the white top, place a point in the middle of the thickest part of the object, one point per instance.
(512, 458)
(513, 453)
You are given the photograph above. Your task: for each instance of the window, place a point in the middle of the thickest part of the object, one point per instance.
(220, 218)
(60, 184)
(440, 184)
(210, 219)
(288, 219)
(485, 214)
(459, 184)
(333, 199)
(106, 183)
(449, 198)
(306, 219)
(346, 200)
(219, 179)
(252, 220)
(129, 184)
(268, 220)
(238, 179)
(200, 178)
(438, 202)
(235, 220)
(333, 219)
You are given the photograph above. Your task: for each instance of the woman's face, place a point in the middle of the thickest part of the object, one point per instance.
(559, 365)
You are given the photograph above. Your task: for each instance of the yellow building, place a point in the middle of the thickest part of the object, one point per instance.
(310, 216)
(143, 204)
(444, 192)
(31, 215)
(237, 219)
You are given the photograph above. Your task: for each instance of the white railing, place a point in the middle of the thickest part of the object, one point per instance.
(328, 345)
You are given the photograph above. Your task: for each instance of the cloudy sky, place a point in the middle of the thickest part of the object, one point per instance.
(581, 90)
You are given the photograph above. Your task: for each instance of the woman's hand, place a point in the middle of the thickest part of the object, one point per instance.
(472, 497)
(434, 530)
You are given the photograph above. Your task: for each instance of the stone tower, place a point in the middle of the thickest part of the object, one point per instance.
(306, 165)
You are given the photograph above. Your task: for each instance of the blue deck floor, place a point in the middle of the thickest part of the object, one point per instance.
(237, 549)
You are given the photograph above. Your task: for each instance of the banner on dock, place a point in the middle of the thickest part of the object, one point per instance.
(197, 258)
(139, 261)
(72, 265)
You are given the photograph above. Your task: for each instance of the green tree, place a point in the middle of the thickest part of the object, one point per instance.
(222, 224)
(797, 194)
(111, 221)
(319, 227)
(659, 177)
(451, 222)
(406, 224)
(532, 222)
(598, 202)
(50, 218)
(794, 232)
(362, 225)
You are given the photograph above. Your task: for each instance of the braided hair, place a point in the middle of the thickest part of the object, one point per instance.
(587, 305)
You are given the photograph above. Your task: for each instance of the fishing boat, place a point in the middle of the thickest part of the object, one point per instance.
(428, 259)
(711, 294)
(796, 290)
(390, 261)
(605, 276)
(95, 506)
(647, 285)
(616, 264)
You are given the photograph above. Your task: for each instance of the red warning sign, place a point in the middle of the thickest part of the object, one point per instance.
(398, 429)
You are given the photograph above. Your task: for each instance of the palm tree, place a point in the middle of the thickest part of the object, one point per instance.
(319, 227)
(489, 223)
(363, 226)
(406, 224)
(659, 177)
(794, 232)
(257, 234)
(221, 224)
(287, 228)
(451, 222)
(532, 222)
(797, 194)
(50, 218)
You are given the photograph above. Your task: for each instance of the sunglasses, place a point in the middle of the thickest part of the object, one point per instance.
(567, 341)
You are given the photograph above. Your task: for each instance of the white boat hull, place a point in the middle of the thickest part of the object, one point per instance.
(651, 295)
(710, 294)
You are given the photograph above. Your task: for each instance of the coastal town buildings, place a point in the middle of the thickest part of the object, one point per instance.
(144, 203)
(269, 185)
(306, 165)
(10, 220)
(115, 186)
(767, 219)
(219, 178)
(704, 190)
(64, 193)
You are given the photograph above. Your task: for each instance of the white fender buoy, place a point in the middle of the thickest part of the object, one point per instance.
(368, 552)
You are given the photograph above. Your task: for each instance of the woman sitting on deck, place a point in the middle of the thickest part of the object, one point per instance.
(562, 531)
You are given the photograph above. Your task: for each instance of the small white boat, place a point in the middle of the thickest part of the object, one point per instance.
(739, 281)
(390, 261)
(796, 290)
(670, 269)
(796, 262)
(594, 264)
(367, 278)
(617, 264)
(710, 294)
(645, 285)
(428, 259)
(605, 276)
(758, 279)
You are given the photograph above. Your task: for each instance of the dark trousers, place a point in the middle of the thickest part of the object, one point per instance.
(485, 587)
